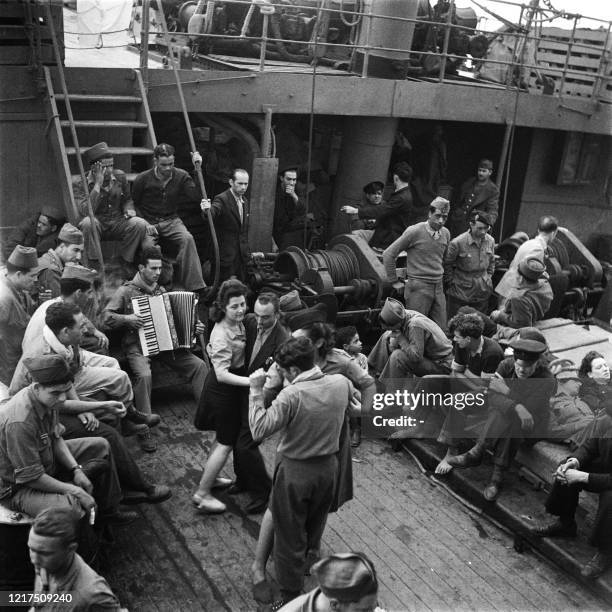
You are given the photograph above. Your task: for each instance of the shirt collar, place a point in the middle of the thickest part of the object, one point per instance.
(312, 374)
(432, 232)
(55, 345)
(237, 198)
(478, 351)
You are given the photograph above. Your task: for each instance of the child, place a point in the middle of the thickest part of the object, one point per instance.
(347, 339)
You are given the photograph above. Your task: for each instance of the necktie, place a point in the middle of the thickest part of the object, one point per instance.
(257, 345)
(240, 209)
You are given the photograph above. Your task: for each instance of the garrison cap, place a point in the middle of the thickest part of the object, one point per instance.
(24, 257)
(392, 313)
(346, 576)
(97, 152)
(70, 234)
(532, 268)
(302, 318)
(441, 204)
(48, 369)
(72, 270)
(291, 302)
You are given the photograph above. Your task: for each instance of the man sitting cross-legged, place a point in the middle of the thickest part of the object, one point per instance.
(119, 314)
(38, 469)
(475, 361)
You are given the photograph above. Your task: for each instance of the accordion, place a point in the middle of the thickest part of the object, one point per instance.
(170, 320)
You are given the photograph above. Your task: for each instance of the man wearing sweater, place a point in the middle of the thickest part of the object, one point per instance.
(309, 412)
(425, 244)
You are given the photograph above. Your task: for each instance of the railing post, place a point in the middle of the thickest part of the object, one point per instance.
(264, 43)
(366, 55)
(567, 56)
(144, 43)
(449, 16)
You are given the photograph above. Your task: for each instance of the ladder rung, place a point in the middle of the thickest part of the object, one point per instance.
(99, 98)
(117, 150)
(105, 123)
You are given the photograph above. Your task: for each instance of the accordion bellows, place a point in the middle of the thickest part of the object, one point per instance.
(170, 320)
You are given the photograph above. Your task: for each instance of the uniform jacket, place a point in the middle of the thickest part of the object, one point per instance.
(487, 200)
(526, 304)
(231, 234)
(25, 235)
(51, 268)
(107, 203)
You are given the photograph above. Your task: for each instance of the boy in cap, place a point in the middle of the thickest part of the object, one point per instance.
(16, 306)
(425, 244)
(569, 414)
(518, 407)
(347, 582)
(528, 300)
(39, 231)
(70, 245)
(38, 469)
(115, 216)
(479, 193)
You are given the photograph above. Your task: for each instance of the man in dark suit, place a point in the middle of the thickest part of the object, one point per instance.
(478, 193)
(264, 334)
(230, 213)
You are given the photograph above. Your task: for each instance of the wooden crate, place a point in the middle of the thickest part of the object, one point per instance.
(587, 76)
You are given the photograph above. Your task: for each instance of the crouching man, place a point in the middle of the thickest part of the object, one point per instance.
(38, 469)
(310, 412)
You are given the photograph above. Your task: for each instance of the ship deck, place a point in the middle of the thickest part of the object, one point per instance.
(431, 551)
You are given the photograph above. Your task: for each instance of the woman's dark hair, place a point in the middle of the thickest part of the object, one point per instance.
(587, 360)
(325, 331)
(298, 352)
(229, 289)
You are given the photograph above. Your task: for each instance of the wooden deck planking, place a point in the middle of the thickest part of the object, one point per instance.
(429, 550)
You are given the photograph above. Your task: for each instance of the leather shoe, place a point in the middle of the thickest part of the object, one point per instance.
(256, 506)
(491, 491)
(356, 437)
(597, 565)
(150, 420)
(147, 441)
(120, 517)
(557, 528)
(129, 428)
(155, 495)
(235, 489)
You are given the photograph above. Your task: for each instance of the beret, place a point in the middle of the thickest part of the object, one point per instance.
(346, 576)
(70, 234)
(72, 270)
(24, 257)
(302, 318)
(392, 313)
(531, 268)
(48, 369)
(97, 152)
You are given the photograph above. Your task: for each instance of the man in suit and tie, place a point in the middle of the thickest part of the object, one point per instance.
(230, 213)
(264, 334)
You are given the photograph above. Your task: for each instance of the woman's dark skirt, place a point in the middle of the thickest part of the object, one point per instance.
(219, 407)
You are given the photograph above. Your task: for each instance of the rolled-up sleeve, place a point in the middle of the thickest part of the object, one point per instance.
(220, 353)
(22, 444)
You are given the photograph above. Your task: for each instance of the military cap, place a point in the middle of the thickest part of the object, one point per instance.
(392, 313)
(441, 204)
(532, 268)
(48, 369)
(48, 210)
(346, 576)
(97, 152)
(482, 217)
(72, 270)
(291, 302)
(564, 369)
(70, 234)
(24, 257)
(288, 166)
(527, 350)
(487, 164)
(302, 318)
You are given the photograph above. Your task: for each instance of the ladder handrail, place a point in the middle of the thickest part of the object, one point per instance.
(145, 108)
(60, 69)
(198, 167)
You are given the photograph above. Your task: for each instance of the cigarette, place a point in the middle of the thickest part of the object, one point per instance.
(92, 515)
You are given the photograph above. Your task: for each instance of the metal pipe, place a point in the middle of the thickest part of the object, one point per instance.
(144, 42)
(504, 153)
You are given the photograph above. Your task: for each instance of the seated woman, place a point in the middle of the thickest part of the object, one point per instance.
(569, 415)
(225, 390)
(596, 389)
